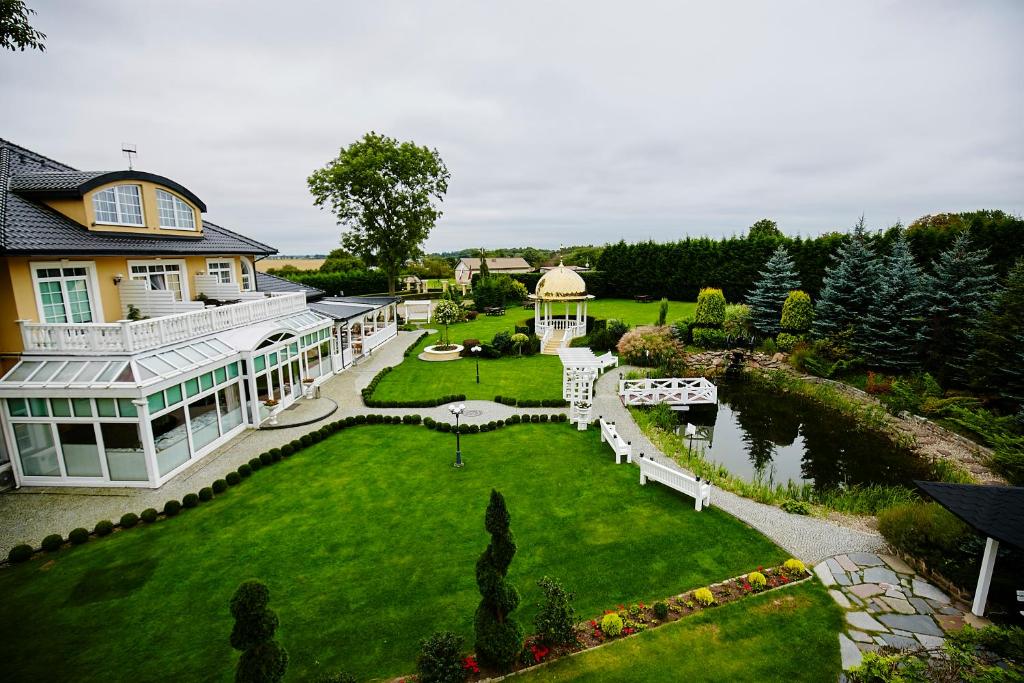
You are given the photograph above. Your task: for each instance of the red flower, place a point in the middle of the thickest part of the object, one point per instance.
(593, 623)
(641, 605)
(621, 607)
(469, 664)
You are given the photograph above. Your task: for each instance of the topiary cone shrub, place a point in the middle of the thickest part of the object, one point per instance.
(263, 660)
(499, 638)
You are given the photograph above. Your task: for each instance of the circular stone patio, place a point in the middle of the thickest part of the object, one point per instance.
(888, 604)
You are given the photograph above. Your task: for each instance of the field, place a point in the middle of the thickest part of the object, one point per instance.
(263, 265)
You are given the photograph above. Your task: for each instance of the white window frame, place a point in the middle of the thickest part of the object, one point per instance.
(175, 201)
(185, 293)
(117, 207)
(91, 282)
(210, 262)
(248, 270)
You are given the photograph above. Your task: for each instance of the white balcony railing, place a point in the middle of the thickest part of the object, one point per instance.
(140, 335)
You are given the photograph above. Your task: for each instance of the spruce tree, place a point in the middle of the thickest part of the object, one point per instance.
(957, 295)
(777, 280)
(998, 359)
(263, 660)
(499, 639)
(485, 270)
(893, 322)
(848, 290)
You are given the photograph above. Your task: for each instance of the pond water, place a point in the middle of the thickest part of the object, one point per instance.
(777, 438)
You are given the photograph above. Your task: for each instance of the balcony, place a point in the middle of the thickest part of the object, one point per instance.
(127, 336)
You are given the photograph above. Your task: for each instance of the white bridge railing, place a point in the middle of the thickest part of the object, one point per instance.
(672, 390)
(131, 336)
(699, 490)
(610, 435)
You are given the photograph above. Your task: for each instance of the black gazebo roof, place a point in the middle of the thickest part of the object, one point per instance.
(995, 511)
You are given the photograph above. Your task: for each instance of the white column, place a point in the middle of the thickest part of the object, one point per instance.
(985, 576)
(146, 437)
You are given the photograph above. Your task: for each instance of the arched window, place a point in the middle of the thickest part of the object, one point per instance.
(119, 205)
(247, 279)
(175, 214)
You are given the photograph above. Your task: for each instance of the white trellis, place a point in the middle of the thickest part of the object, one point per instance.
(580, 368)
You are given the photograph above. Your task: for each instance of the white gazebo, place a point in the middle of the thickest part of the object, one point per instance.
(554, 325)
(580, 368)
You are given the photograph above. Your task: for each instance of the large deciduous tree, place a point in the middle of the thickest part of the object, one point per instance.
(957, 294)
(16, 33)
(777, 280)
(386, 194)
(848, 290)
(499, 637)
(893, 323)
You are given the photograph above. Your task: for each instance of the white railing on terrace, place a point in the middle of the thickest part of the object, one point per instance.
(381, 335)
(131, 336)
(672, 390)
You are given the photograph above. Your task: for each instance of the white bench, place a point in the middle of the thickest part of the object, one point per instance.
(700, 491)
(610, 436)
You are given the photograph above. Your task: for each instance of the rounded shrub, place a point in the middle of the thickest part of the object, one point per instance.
(149, 515)
(474, 429)
(296, 445)
(128, 520)
(787, 342)
(20, 553)
(104, 527)
(796, 507)
(611, 624)
(797, 312)
(514, 419)
(266, 458)
(235, 478)
(78, 536)
(440, 658)
(360, 419)
(757, 580)
(794, 566)
(287, 450)
(306, 440)
(710, 307)
(190, 500)
(275, 454)
(704, 596)
(535, 419)
(324, 432)
(544, 418)
(205, 494)
(171, 508)
(661, 610)
(255, 464)
(52, 543)
(219, 486)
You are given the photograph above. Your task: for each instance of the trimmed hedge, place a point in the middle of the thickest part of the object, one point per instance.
(171, 508)
(255, 464)
(190, 500)
(205, 494)
(104, 527)
(128, 520)
(78, 536)
(220, 486)
(20, 553)
(233, 478)
(266, 458)
(149, 515)
(52, 543)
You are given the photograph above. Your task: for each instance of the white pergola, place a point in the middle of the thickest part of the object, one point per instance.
(580, 368)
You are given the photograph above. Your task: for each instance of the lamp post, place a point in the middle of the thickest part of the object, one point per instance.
(457, 410)
(476, 353)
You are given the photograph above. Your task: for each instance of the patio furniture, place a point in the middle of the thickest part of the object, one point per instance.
(494, 310)
(642, 298)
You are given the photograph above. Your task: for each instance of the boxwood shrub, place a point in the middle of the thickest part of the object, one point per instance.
(190, 500)
(20, 553)
(474, 429)
(287, 450)
(514, 419)
(205, 494)
(104, 527)
(78, 536)
(171, 508)
(275, 454)
(535, 418)
(234, 478)
(255, 464)
(544, 418)
(266, 458)
(52, 543)
(296, 445)
(220, 486)
(444, 426)
(128, 520)
(306, 440)
(360, 419)
(149, 515)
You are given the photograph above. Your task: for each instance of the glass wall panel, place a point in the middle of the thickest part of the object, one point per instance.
(127, 408)
(82, 406)
(325, 356)
(17, 407)
(296, 378)
(81, 452)
(38, 407)
(126, 461)
(313, 362)
(36, 449)
(170, 438)
(230, 405)
(202, 413)
(61, 407)
(262, 395)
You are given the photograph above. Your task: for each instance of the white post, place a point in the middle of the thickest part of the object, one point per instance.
(988, 561)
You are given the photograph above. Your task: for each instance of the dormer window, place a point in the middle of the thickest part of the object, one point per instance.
(119, 205)
(174, 213)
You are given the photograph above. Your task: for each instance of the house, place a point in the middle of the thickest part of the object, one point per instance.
(135, 336)
(466, 267)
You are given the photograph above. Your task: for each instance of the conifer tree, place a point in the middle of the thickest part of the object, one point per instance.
(263, 660)
(485, 270)
(777, 280)
(894, 320)
(957, 295)
(499, 637)
(848, 290)
(998, 359)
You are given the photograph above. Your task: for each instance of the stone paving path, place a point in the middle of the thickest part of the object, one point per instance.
(888, 604)
(809, 539)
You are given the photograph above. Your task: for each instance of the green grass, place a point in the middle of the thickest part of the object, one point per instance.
(787, 635)
(368, 542)
(638, 314)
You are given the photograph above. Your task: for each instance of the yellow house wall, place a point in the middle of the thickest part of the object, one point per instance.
(81, 211)
(21, 304)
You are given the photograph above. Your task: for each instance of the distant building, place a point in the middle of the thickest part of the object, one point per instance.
(466, 267)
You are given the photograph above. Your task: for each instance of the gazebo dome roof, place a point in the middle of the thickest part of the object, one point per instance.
(561, 284)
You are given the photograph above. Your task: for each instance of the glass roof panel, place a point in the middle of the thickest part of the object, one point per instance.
(176, 359)
(69, 371)
(110, 372)
(94, 367)
(145, 373)
(48, 370)
(210, 351)
(23, 370)
(190, 353)
(126, 374)
(156, 364)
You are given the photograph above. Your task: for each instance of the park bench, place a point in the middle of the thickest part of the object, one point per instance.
(642, 298)
(610, 435)
(494, 310)
(699, 490)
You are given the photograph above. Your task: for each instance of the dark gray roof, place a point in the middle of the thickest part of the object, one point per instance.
(366, 300)
(76, 183)
(30, 227)
(994, 511)
(51, 180)
(271, 283)
(345, 307)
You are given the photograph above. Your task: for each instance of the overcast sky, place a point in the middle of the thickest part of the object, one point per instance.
(582, 122)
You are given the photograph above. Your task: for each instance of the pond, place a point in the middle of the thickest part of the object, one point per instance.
(775, 438)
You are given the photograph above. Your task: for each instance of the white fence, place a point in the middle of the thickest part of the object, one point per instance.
(671, 390)
(211, 286)
(131, 336)
(610, 435)
(700, 491)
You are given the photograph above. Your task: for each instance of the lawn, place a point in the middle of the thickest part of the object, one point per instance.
(533, 377)
(368, 542)
(787, 635)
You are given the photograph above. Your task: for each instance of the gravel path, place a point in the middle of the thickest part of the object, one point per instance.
(809, 539)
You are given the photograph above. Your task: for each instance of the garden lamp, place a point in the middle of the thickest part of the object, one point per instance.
(476, 352)
(457, 410)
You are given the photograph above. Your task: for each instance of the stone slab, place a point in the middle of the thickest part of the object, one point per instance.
(859, 636)
(865, 559)
(931, 642)
(849, 653)
(974, 620)
(881, 575)
(864, 622)
(840, 599)
(824, 574)
(866, 590)
(855, 600)
(897, 565)
(922, 606)
(950, 622)
(926, 590)
(867, 647)
(846, 563)
(896, 594)
(837, 572)
(899, 605)
(917, 623)
(900, 642)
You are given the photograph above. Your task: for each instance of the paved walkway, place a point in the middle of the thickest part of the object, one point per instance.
(887, 604)
(809, 539)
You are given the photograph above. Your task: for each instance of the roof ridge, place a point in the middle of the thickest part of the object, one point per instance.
(5, 155)
(7, 143)
(257, 243)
